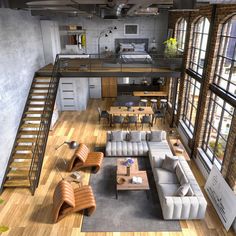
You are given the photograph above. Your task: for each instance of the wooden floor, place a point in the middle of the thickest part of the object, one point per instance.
(31, 215)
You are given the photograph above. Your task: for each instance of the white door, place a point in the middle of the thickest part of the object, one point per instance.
(95, 90)
(68, 95)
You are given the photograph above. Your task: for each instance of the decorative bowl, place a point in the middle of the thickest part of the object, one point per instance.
(120, 180)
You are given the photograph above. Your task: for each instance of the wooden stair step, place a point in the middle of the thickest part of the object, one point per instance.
(39, 94)
(17, 183)
(40, 88)
(34, 118)
(34, 112)
(26, 140)
(24, 147)
(40, 78)
(41, 83)
(21, 164)
(38, 99)
(22, 156)
(28, 132)
(18, 173)
(30, 126)
(36, 106)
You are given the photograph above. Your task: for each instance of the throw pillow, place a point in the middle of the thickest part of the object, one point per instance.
(135, 136)
(170, 163)
(182, 190)
(156, 136)
(157, 161)
(180, 175)
(190, 192)
(117, 136)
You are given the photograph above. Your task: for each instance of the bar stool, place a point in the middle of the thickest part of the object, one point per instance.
(143, 102)
(163, 103)
(154, 104)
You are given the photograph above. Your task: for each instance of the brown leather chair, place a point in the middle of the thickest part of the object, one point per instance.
(67, 200)
(82, 158)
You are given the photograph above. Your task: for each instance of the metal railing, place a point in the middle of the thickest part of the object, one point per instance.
(41, 141)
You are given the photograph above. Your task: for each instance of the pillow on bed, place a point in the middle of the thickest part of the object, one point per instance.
(139, 47)
(126, 46)
(128, 50)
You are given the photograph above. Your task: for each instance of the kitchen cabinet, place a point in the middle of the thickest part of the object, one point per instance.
(109, 87)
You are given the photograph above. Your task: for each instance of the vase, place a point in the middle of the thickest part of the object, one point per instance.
(128, 171)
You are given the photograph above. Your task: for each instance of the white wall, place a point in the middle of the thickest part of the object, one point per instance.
(21, 54)
(149, 27)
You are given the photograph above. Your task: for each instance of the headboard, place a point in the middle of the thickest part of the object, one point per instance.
(129, 40)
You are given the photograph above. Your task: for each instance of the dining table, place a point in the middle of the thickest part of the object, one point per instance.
(129, 111)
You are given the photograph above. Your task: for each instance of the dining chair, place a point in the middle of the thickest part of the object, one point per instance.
(146, 119)
(160, 113)
(103, 114)
(132, 120)
(118, 120)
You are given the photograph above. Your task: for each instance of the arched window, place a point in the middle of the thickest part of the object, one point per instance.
(225, 73)
(199, 44)
(180, 33)
(220, 111)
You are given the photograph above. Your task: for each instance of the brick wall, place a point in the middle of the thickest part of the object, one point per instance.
(222, 13)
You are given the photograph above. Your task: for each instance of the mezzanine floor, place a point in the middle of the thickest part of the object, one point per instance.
(30, 215)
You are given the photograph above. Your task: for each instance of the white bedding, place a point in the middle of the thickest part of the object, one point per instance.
(142, 57)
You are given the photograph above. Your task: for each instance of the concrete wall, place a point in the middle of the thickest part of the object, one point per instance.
(149, 27)
(21, 54)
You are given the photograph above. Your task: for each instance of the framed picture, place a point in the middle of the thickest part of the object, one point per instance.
(131, 29)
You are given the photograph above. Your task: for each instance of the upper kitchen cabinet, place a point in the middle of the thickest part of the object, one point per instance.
(51, 40)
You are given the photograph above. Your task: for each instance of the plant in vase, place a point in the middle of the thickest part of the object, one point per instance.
(171, 49)
(172, 54)
(128, 163)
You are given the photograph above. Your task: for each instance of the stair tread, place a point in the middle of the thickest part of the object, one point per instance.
(34, 118)
(39, 94)
(17, 183)
(30, 126)
(40, 88)
(41, 77)
(24, 147)
(22, 156)
(38, 99)
(33, 112)
(21, 164)
(28, 132)
(18, 173)
(26, 140)
(39, 82)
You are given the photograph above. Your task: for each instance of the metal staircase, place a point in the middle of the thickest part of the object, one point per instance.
(25, 162)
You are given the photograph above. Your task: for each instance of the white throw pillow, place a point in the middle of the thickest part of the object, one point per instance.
(139, 47)
(170, 163)
(117, 136)
(156, 136)
(135, 136)
(182, 190)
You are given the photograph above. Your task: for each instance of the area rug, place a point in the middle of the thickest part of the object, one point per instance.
(133, 211)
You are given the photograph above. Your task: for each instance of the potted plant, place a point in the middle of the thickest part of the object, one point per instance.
(172, 55)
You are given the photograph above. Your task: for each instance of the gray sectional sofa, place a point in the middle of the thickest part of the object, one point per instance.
(190, 206)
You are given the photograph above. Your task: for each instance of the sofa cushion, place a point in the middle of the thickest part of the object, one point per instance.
(117, 136)
(164, 176)
(182, 190)
(157, 161)
(159, 149)
(156, 136)
(134, 136)
(167, 190)
(170, 163)
(180, 175)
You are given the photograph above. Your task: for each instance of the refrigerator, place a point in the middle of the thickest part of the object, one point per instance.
(95, 89)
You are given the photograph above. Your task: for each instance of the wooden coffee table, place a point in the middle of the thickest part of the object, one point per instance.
(134, 171)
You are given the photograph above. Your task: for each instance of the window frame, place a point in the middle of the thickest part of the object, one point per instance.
(181, 30)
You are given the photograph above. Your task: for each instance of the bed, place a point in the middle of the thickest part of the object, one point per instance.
(133, 51)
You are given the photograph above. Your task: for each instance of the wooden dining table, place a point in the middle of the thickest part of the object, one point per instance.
(131, 111)
(150, 94)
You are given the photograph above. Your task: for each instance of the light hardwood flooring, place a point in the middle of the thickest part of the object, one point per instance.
(31, 215)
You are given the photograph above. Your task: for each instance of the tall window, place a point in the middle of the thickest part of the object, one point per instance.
(217, 128)
(181, 28)
(220, 111)
(225, 74)
(198, 49)
(190, 103)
